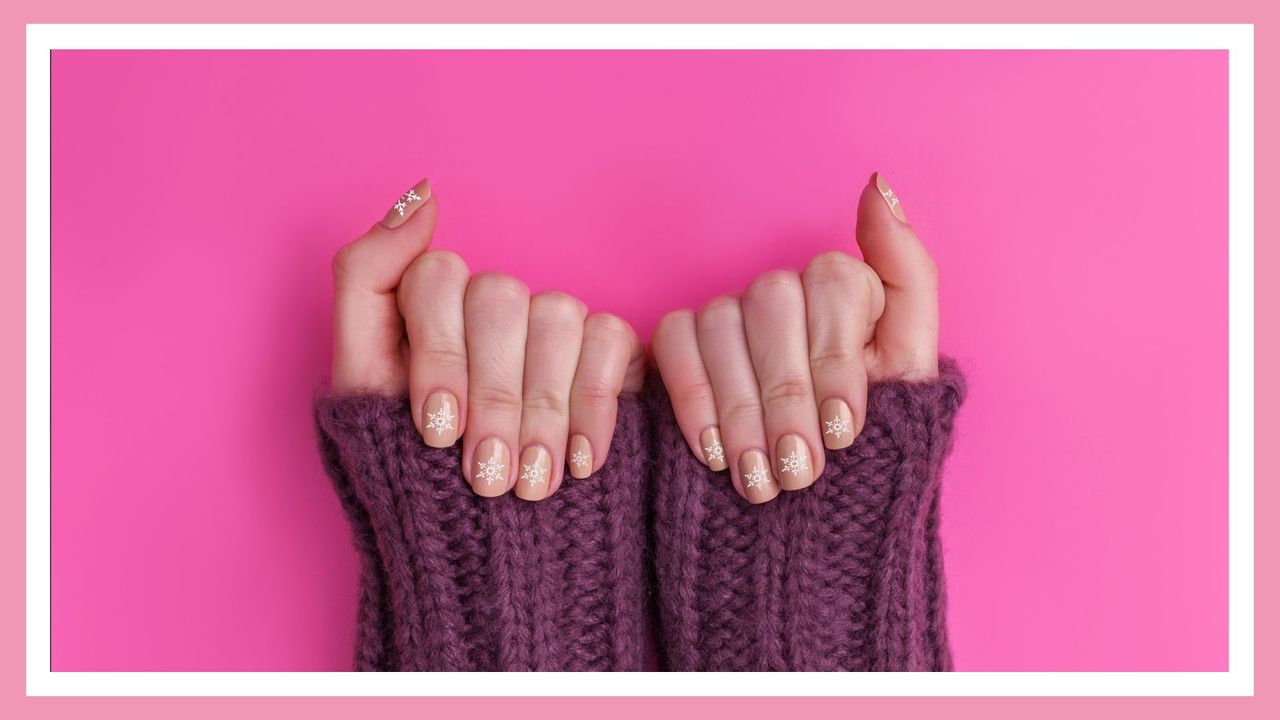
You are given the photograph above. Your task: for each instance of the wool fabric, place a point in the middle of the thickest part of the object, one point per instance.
(845, 575)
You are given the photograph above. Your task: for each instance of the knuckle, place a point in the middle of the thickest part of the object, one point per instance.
(441, 357)
(773, 281)
(835, 266)
(345, 261)
(833, 360)
(788, 391)
(608, 324)
(694, 393)
(675, 325)
(594, 393)
(843, 273)
(741, 412)
(720, 310)
(495, 285)
(431, 270)
(441, 263)
(494, 399)
(556, 304)
(546, 399)
(928, 269)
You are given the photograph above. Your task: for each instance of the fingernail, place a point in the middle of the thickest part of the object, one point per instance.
(795, 467)
(837, 423)
(440, 419)
(535, 469)
(712, 450)
(490, 468)
(887, 193)
(580, 458)
(757, 481)
(414, 198)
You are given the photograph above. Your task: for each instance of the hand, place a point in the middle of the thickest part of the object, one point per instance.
(787, 366)
(478, 356)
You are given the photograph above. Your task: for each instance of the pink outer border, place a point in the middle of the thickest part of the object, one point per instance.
(12, 325)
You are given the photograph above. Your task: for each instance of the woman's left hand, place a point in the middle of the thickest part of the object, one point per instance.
(760, 383)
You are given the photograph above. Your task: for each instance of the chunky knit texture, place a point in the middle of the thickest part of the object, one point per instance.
(845, 575)
(453, 581)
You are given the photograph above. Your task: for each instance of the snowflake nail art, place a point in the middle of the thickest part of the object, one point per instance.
(795, 463)
(440, 420)
(890, 197)
(759, 477)
(579, 459)
(491, 470)
(715, 453)
(837, 427)
(404, 201)
(534, 474)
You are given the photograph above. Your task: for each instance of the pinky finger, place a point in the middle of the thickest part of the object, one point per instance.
(609, 349)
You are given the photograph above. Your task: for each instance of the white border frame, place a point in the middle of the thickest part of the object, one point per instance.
(1236, 39)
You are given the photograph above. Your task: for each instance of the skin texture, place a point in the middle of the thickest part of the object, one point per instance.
(776, 369)
(760, 383)
(513, 375)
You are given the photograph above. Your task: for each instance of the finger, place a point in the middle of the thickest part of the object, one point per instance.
(675, 349)
(495, 314)
(610, 349)
(722, 342)
(773, 313)
(367, 329)
(844, 299)
(906, 340)
(430, 298)
(550, 358)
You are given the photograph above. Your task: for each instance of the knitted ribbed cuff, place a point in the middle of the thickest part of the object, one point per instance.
(844, 575)
(453, 581)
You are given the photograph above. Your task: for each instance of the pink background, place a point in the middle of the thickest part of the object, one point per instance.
(1076, 203)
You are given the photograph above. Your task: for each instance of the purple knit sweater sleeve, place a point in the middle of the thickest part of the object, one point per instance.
(453, 581)
(846, 575)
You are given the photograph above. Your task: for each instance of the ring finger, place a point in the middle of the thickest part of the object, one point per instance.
(551, 356)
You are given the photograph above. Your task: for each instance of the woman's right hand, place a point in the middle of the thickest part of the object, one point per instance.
(479, 357)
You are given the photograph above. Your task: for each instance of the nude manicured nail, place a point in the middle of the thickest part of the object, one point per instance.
(712, 450)
(795, 466)
(757, 482)
(535, 471)
(490, 468)
(414, 198)
(580, 458)
(837, 423)
(890, 198)
(440, 419)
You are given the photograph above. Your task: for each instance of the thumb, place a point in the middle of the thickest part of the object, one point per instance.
(367, 327)
(906, 337)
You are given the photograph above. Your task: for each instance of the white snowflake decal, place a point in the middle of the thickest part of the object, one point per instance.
(759, 477)
(795, 463)
(838, 427)
(534, 474)
(715, 453)
(405, 199)
(890, 198)
(492, 471)
(440, 420)
(578, 458)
